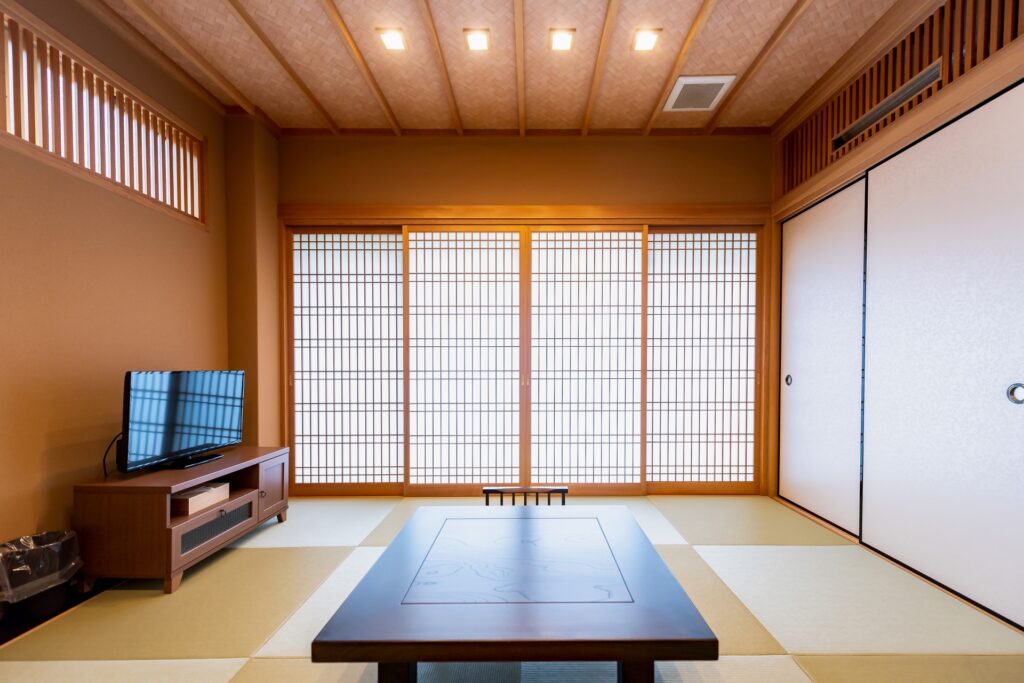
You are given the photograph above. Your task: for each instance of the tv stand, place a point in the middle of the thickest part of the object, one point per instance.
(125, 525)
(193, 460)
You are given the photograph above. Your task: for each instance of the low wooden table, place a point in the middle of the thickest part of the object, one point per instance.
(461, 584)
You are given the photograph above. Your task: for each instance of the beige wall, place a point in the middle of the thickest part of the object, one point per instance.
(318, 170)
(93, 284)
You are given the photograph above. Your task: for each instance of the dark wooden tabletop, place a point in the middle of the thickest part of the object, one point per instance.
(517, 584)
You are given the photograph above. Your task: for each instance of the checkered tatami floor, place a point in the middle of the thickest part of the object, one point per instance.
(789, 601)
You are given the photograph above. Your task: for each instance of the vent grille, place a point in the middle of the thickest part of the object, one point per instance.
(201, 534)
(697, 93)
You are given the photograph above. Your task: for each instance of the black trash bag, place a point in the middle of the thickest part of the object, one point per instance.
(31, 564)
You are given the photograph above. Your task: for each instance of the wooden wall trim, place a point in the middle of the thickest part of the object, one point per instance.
(632, 214)
(900, 20)
(1000, 71)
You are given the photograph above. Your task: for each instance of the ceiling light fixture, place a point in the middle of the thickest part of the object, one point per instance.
(393, 38)
(561, 39)
(478, 39)
(645, 38)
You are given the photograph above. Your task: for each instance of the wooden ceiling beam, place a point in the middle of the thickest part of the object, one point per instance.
(684, 51)
(346, 36)
(787, 23)
(602, 52)
(520, 29)
(158, 24)
(453, 106)
(267, 43)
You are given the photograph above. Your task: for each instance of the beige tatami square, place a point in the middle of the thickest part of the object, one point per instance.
(913, 668)
(304, 671)
(293, 639)
(396, 519)
(848, 600)
(149, 670)
(737, 630)
(650, 519)
(315, 522)
(226, 607)
(741, 520)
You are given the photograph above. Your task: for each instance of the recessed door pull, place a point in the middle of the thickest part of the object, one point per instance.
(1015, 393)
(789, 380)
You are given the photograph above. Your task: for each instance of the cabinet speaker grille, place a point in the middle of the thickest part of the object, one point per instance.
(201, 534)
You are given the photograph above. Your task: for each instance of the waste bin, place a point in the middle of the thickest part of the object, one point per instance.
(32, 564)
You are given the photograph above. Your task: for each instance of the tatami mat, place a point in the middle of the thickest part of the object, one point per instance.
(396, 519)
(778, 669)
(226, 607)
(741, 520)
(304, 671)
(650, 519)
(315, 522)
(122, 671)
(914, 668)
(737, 630)
(848, 600)
(294, 637)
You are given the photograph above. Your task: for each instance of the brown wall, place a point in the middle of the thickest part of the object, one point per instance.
(319, 170)
(253, 267)
(93, 284)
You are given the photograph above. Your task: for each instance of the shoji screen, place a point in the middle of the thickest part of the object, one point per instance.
(585, 386)
(464, 383)
(822, 306)
(347, 363)
(943, 444)
(702, 321)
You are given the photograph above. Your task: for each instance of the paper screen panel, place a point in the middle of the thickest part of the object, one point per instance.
(347, 301)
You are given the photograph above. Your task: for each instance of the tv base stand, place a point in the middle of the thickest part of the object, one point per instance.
(126, 529)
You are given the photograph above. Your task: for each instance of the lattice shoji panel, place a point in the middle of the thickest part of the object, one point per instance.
(62, 103)
(961, 34)
(585, 369)
(347, 302)
(701, 349)
(464, 383)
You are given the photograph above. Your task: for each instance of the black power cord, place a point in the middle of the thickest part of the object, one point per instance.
(106, 452)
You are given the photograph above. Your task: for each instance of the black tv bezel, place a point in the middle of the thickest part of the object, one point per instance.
(121, 454)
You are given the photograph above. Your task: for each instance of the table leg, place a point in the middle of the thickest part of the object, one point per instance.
(637, 671)
(398, 672)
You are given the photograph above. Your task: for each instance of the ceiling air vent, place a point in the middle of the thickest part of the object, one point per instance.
(697, 93)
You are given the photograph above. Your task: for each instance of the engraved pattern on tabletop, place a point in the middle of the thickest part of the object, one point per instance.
(526, 560)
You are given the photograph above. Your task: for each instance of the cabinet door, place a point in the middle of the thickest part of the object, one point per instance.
(822, 332)
(943, 444)
(273, 486)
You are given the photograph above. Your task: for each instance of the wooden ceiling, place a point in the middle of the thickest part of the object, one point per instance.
(320, 66)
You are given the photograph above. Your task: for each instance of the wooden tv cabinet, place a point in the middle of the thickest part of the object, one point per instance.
(126, 530)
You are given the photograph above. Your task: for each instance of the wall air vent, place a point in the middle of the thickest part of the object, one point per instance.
(903, 94)
(697, 93)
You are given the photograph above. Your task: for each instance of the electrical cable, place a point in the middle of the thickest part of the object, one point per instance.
(106, 452)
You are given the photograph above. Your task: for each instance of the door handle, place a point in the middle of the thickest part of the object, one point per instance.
(1015, 393)
(789, 380)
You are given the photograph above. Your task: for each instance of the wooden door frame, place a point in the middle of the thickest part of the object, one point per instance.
(753, 218)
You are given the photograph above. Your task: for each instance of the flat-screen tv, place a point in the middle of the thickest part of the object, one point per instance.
(178, 418)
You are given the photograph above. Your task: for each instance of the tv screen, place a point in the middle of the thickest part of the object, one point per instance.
(175, 415)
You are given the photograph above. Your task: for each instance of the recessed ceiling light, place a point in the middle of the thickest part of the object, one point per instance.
(393, 38)
(561, 39)
(645, 38)
(478, 38)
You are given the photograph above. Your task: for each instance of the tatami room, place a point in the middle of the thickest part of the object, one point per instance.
(511, 340)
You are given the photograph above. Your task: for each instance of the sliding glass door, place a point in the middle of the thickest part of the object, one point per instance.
(438, 359)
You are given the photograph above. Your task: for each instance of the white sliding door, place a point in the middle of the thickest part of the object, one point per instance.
(944, 446)
(822, 305)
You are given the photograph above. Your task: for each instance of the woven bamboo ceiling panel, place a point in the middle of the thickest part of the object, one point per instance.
(729, 42)
(484, 82)
(558, 83)
(315, 50)
(633, 80)
(821, 36)
(413, 82)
